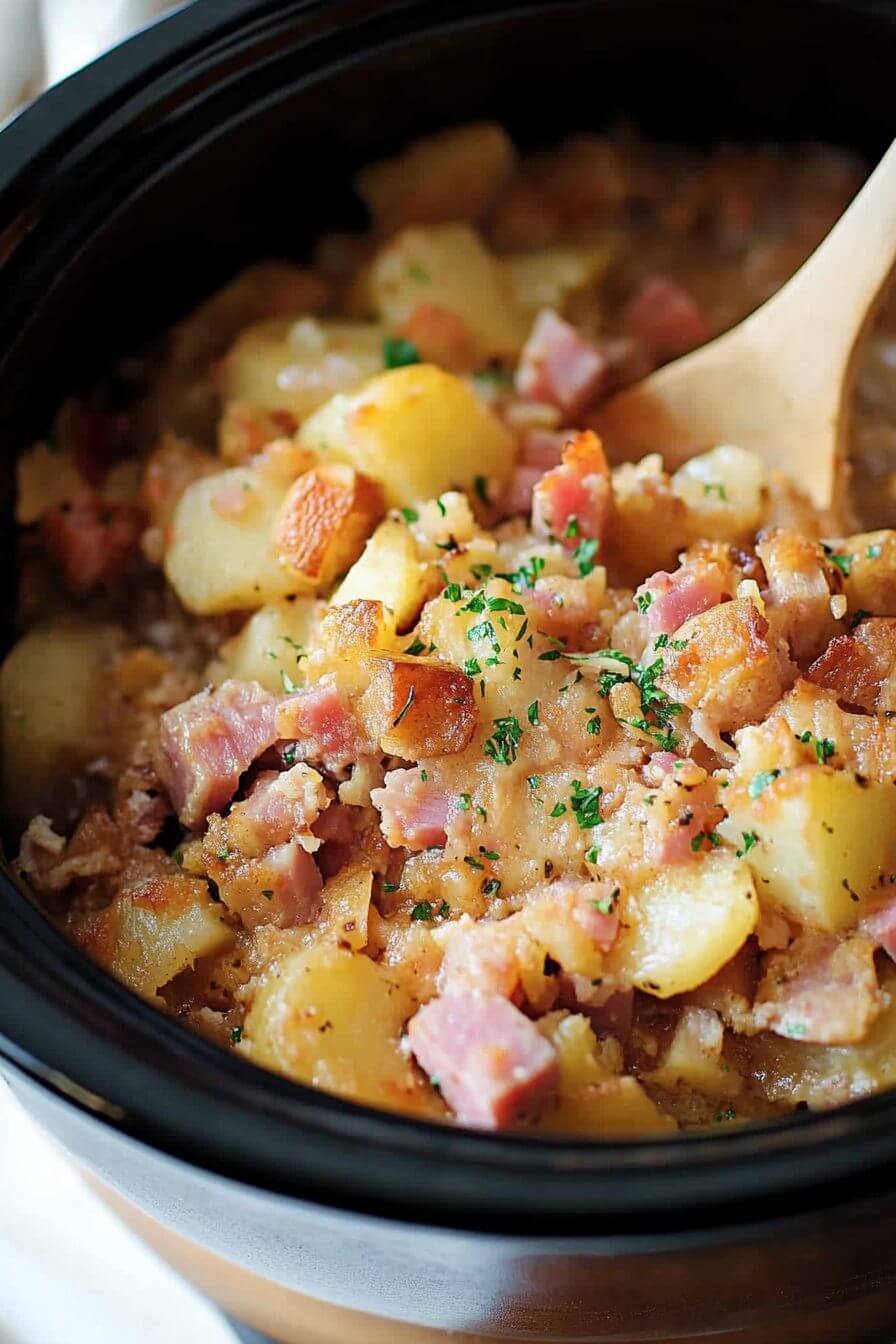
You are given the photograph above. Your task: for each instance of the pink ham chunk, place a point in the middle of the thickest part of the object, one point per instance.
(880, 926)
(675, 598)
(517, 496)
(207, 742)
(665, 319)
(575, 500)
(492, 1064)
(321, 726)
(279, 807)
(413, 812)
(282, 887)
(559, 366)
(820, 989)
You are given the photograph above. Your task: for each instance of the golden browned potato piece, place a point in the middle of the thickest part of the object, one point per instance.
(326, 517)
(354, 628)
(418, 708)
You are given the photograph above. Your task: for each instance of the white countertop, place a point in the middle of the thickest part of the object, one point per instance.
(70, 1273)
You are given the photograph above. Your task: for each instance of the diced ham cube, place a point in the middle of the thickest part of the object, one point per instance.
(559, 366)
(322, 727)
(861, 667)
(575, 500)
(440, 336)
(492, 1064)
(880, 926)
(683, 817)
(207, 742)
(91, 541)
(821, 989)
(282, 887)
(279, 808)
(675, 598)
(543, 448)
(665, 319)
(517, 496)
(413, 812)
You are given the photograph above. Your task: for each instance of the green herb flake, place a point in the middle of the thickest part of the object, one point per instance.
(474, 863)
(843, 562)
(713, 487)
(751, 839)
(504, 741)
(534, 781)
(422, 911)
(762, 781)
(236, 1035)
(410, 515)
(397, 352)
(405, 707)
(268, 894)
(873, 551)
(532, 714)
(491, 886)
(557, 810)
(416, 647)
(480, 485)
(585, 804)
(584, 555)
(591, 854)
(643, 600)
(572, 527)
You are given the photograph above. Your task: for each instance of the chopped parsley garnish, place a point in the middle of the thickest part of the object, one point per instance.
(585, 804)
(466, 802)
(268, 894)
(607, 904)
(549, 655)
(534, 781)
(825, 747)
(441, 507)
(714, 487)
(859, 616)
(711, 837)
(390, 886)
(405, 707)
(287, 682)
(422, 910)
(874, 551)
(472, 667)
(474, 863)
(236, 1035)
(480, 485)
(525, 576)
(761, 781)
(483, 630)
(481, 572)
(643, 601)
(572, 527)
(397, 352)
(584, 555)
(410, 515)
(416, 647)
(795, 1030)
(720, 1117)
(503, 743)
(557, 810)
(491, 886)
(289, 754)
(532, 714)
(452, 592)
(416, 272)
(593, 725)
(843, 562)
(592, 853)
(489, 853)
(751, 839)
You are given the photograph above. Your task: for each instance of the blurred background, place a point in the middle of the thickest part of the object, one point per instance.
(42, 41)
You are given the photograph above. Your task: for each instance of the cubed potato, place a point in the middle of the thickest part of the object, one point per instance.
(725, 492)
(694, 1057)
(51, 705)
(418, 707)
(345, 907)
(297, 366)
(868, 563)
(220, 554)
(824, 840)
(417, 430)
(389, 571)
(324, 521)
(155, 929)
(268, 647)
(45, 478)
(449, 268)
(334, 1018)
(453, 175)
(549, 277)
(683, 926)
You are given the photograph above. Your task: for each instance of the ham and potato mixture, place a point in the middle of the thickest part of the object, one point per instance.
(370, 718)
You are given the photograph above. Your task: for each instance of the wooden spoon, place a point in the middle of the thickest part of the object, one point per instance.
(781, 382)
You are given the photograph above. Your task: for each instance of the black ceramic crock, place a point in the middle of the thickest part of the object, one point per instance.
(229, 131)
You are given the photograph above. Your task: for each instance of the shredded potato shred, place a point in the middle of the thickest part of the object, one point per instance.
(371, 719)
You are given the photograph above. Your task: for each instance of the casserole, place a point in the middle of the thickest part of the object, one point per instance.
(100, 196)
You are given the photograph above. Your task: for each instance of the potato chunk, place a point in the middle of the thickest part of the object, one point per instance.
(684, 925)
(868, 563)
(155, 928)
(417, 430)
(297, 366)
(418, 708)
(333, 1018)
(694, 1057)
(51, 701)
(220, 554)
(824, 840)
(323, 522)
(390, 571)
(267, 648)
(453, 175)
(449, 268)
